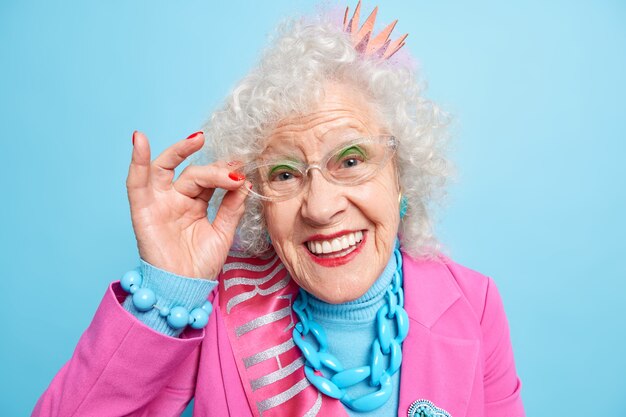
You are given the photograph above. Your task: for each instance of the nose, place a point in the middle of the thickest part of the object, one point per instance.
(324, 203)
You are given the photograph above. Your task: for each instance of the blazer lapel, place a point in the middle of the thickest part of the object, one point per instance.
(435, 366)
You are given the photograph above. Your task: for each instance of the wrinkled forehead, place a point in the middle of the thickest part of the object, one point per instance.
(313, 135)
(343, 113)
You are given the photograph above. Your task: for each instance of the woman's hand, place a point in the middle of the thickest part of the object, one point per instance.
(170, 217)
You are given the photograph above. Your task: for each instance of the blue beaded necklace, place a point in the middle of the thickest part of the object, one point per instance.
(325, 372)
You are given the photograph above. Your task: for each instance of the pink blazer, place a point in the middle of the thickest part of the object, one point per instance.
(457, 354)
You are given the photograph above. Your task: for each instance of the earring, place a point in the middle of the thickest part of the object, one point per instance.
(404, 205)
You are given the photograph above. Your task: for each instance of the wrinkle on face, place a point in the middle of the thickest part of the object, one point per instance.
(313, 144)
(344, 112)
(326, 208)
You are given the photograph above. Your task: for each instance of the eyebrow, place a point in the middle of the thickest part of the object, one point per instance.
(297, 154)
(278, 160)
(356, 147)
(279, 166)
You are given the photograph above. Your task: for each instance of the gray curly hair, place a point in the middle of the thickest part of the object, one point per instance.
(303, 56)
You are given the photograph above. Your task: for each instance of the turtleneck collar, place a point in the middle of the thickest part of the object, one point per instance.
(363, 309)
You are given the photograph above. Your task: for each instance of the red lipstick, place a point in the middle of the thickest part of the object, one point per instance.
(329, 237)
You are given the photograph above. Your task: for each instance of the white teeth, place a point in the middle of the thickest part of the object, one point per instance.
(335, 245)
(326, 248)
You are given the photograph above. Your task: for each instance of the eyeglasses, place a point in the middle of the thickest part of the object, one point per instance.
(351, 163)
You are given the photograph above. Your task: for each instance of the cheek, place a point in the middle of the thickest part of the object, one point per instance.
(272, 213)
(379, 203)
(280, 220)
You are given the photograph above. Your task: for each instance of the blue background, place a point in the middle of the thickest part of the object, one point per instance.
(537, 89)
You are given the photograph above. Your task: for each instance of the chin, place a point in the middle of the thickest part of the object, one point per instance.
(340, 284)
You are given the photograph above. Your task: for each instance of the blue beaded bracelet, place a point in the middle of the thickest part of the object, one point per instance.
(177, 317)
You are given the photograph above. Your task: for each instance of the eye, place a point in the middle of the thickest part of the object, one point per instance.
(284, 176)
(350, 162)
(351, 157)
(283, 173)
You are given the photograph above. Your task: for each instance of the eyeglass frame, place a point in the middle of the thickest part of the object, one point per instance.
(304, 168)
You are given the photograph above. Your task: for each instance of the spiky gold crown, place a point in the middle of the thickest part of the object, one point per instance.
(380, 46)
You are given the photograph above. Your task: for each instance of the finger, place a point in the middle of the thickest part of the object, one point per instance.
(164, 165)
(200, 180)
(207, 194)
(139, 171)
(230, 212)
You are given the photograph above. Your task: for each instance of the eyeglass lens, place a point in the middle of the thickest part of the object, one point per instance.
(349, 164)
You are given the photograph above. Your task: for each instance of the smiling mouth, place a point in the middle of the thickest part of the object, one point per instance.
(337, 247)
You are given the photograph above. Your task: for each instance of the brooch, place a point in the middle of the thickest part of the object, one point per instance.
(425, 408)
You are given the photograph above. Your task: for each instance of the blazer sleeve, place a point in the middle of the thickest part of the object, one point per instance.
(501, 383)
(122, 367)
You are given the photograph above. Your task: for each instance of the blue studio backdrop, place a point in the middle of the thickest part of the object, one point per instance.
(537, 91)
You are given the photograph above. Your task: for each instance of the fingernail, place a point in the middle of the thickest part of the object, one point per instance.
(134, 133)
(236, 176)
(193, 135)
(249, 186)
(233, 163)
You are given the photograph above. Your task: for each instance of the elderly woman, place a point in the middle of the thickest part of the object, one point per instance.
(326, 292)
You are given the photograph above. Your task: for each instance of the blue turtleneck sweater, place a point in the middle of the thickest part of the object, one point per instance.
(350, 327)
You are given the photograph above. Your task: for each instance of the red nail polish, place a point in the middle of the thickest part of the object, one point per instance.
(134, 133)
(235, 176)
(193, 135)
